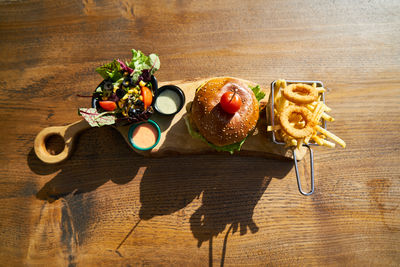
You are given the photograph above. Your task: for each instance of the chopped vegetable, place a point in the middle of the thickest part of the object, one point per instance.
(127, 91)
(108, 105)
(147, 97)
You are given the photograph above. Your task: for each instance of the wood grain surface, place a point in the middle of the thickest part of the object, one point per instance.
(107, 206)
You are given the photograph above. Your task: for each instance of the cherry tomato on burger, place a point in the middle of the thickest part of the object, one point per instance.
(147, 96)
(108, 105)
(230, 102)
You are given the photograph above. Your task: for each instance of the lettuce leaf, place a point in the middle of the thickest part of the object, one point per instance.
(155, 63)
(142, 62)
(257, 92)
(139, 61)
(139, 64)
(229, 148)
(110, 70)
(124, 66)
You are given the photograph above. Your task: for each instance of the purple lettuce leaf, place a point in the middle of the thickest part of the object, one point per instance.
(124, 67)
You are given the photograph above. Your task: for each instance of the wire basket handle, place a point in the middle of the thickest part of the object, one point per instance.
(311, 170)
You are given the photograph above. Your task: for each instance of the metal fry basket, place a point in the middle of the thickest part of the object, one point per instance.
(272, 114)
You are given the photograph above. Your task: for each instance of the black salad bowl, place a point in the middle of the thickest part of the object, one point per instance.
(153, 81)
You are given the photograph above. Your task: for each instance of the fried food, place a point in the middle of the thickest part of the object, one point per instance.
(300, 93)
(298, 114)
(300, 129)
(330, 135)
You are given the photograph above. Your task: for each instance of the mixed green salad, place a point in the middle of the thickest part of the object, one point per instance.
(126, 93)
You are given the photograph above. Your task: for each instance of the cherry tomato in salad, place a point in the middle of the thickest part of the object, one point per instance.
(147, 96)
(230, 102)
(108, 105)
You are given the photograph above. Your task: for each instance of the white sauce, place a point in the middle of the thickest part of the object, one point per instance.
(168, 102)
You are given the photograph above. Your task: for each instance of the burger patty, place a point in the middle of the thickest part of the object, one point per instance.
(214, 124)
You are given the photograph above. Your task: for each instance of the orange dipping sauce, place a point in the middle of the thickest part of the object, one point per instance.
(144, 135)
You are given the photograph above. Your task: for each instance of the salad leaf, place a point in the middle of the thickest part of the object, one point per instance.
(145, 76)
(115, 75)
(96, 119)
(257, 92)
(139, 61)
(135, 76)
(110, 70)
(155, 63)
(229, 148)
(124, 66)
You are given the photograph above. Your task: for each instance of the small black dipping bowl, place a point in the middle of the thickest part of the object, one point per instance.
(177, 90)
(153, 82)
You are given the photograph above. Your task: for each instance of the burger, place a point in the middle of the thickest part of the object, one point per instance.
(224, 112)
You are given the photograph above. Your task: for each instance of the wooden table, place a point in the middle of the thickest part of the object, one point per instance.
(108, 206)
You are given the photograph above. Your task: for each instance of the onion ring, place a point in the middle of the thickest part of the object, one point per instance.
(292, 131)
(294, 94)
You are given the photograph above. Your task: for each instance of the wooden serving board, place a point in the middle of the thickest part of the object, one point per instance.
(175, 138)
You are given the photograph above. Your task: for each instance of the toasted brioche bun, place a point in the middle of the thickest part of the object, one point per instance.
(214, 124)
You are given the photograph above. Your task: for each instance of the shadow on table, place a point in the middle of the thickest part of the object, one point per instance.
(230, 186)
(101, 155)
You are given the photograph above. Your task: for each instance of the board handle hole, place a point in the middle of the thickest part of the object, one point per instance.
(54, 144)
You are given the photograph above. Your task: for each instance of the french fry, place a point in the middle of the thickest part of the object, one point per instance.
(283, 102)
(331, 136)
(277, 93)
(281, 83)
(278, 85)
(326, 108)
(299, 143)
(318, 115)
(318, 111)
(327, 117)
(328, 144)
(293, 142)
(318, 140)
(312, 106)
(271, 128)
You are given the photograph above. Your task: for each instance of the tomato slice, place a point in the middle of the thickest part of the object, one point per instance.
(108, 105)
(147, 96)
